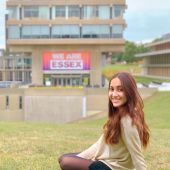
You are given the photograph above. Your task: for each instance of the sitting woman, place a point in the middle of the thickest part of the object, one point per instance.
(125, 133)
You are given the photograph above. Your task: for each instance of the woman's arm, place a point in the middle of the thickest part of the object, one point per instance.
(90, 152)
(131, 139)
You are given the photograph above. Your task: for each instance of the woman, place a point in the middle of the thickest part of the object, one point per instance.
(124, 136)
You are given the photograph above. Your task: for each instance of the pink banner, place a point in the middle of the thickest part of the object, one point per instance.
(66, 61)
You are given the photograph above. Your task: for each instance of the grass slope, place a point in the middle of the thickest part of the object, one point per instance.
(25, 146)
(135, 69)
(157, 110)
(109, 70)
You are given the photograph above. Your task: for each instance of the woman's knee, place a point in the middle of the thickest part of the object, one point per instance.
(60, 159)
(64, 162)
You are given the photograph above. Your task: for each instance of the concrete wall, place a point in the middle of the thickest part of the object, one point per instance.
(55, 105)
(97, 99)
(11, 110)
(53, 109)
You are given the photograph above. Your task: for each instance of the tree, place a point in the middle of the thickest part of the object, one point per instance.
(130, 51)
(142, 49)
(117, 58)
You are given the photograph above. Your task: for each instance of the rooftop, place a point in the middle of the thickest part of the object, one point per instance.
(164, 39)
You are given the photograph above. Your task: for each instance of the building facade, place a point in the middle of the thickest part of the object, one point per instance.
(15, 68)
(63, 43)
(157, 60)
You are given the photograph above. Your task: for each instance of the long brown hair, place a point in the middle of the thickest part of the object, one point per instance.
(133, 107)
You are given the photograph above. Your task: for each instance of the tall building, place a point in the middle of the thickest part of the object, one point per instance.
(63, 43)
(157, 60)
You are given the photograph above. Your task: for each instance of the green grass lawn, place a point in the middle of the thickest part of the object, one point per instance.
(147, 80)
(157, 109)
(109, 70)
(31, 146)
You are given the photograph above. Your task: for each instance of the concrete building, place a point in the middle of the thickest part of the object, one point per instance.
(15, 68)
(157, 60)
(62, 43)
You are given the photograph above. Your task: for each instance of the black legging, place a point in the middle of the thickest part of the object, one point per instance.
(73, 162)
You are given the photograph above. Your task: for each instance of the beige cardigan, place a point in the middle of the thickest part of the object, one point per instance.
(125, 155)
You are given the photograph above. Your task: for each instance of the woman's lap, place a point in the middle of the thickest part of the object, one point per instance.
(98, 165)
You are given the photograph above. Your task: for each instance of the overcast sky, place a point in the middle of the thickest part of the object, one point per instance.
(2, 29)
(146, 20)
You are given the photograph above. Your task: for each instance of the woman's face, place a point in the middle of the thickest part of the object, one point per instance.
(116, 94)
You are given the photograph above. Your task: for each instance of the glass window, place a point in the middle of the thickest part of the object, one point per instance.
(9, 76)
(27, 77)
(26, 32)
(30, 11)
(1, 63)
(45, 31)
(89, 12)
(27, 63)
(14, 32)
(53, 12)
(13, 12)
(118, 10)
(65, 31)
(9, 63)
(1, 76)
(101, 12)
(74, 11)
(44, 12)
(60, 11)
(117, 31)
(65, 11)
(18, 75)
(96, 31)
(35, 31)
(36, 12)
(19, 63)
(104, 12)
